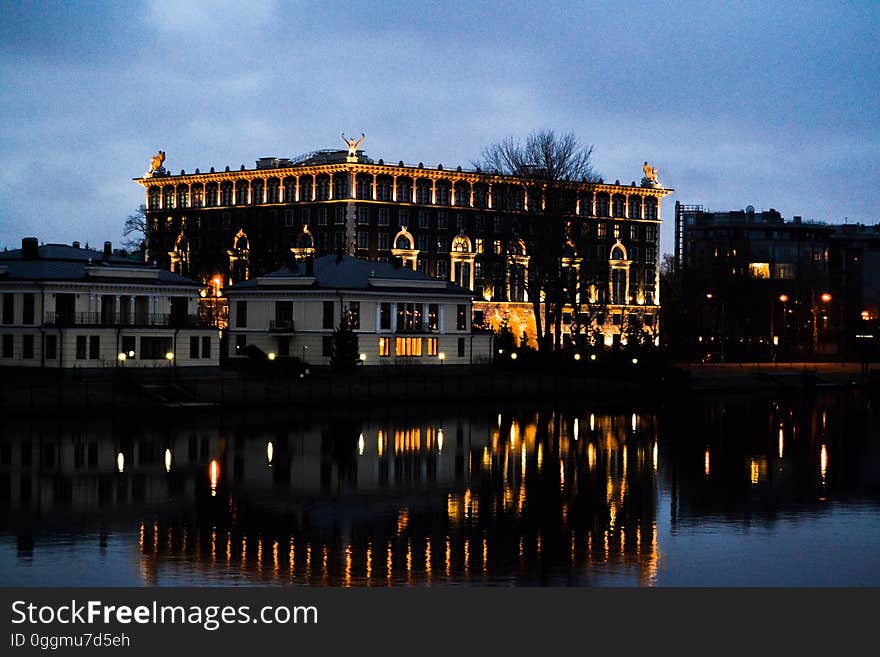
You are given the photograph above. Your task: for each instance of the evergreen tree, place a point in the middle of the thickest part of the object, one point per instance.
(345, 354)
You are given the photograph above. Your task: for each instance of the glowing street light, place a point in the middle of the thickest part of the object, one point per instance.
(121, 358)
(577, 356)
(825, 297)
(513, 356)
(363, 358)
(441, 356)
(592, 356)
(783, 298)
(271, 355)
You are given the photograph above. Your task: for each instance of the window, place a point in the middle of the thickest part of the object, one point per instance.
(383, 216)
(600, 230)
(327, 346)
(340, 215)
(433, 316)
(759, 269)
(409, 316)
(496, 247)
(385, 315)
(423, 219)
(363, 239)
(408, 347)
(441, 221)
(651, 233)
(354, 315)
(441, 269)
(422, 243)
(431, 346)
(27, 346)
(384, 347)
(322, 216)
(634, 232)
(80, 347)
(27, 308)
(479, 244)
(496, 224)
(240, 345)
(8, 308)
(460, 223)
(328, 322)
(363, 216)
(206, 346)
(94, 347)
(241, 314)
(7, 346)
(194, 346)
(461, 317)
(480, 222)
(478, 270)
(403, 218)
(383, 241)
(339, 240)
(461, 347)
(51, 347)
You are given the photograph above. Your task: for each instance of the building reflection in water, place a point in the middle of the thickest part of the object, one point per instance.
(352, 502)
(543, 497)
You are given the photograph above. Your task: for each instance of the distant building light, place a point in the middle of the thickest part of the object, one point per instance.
(825, 297)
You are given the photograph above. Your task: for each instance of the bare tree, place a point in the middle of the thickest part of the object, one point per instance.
(551, 166)
(135, 230)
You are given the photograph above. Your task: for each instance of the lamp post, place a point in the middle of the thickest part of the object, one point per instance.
(783, 299)
(709, 297)
(305, 347)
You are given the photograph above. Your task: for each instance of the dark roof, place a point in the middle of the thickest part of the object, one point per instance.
(347, 273)
(60, 262)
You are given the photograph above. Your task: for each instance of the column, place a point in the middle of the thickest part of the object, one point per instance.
(394, 188)
(489, 197)
(433, 191)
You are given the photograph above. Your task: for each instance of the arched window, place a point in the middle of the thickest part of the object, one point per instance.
(322, 188)
(340, 185)
(183, 196)
(602, 205)
(364, 185)
(423, 192)
(154, 198)
(651, 208)
(226, 193)
(461, 244)
(197, 195)
(211, 195)
(257, 192)
(618, 252)
(272, 187)
(289, 190)
(305, 188)
(169, 198)
(383, 188)
(635, 207)
(403, 240)
(462, 194)
(618, 205)
(241, 193)
(404, 190)
(443, 192)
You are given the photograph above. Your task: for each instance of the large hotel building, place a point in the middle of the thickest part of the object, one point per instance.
(473, 228)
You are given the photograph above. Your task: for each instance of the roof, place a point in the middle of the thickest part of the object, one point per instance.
(347, 273)
(63, 263)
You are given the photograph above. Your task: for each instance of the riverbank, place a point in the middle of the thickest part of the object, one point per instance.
(33, 393)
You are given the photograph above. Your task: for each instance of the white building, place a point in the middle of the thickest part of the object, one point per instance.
(399, 315)
(65, 306)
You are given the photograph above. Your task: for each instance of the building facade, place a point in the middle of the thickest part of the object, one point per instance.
(754, 285)
(399, 316)
(70, 307)
(474, 228)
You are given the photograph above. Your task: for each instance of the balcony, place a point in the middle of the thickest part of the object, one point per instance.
(138, 320)
(416, 330)
(281, 325)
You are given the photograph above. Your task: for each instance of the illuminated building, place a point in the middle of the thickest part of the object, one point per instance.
(399, 315)
(474, 228)
(64, 306)
(769, 288)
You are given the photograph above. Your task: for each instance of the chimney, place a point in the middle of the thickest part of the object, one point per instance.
(108, 250)
(29, 250)
(76, 244)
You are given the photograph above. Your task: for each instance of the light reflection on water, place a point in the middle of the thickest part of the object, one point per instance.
(745, 492)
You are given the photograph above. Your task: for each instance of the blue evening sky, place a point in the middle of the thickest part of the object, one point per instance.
(770, 104)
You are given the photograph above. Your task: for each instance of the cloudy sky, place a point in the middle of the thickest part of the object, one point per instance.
(770, 104)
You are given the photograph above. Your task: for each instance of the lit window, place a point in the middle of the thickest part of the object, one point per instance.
(408, 347)
(759, 269)
(384, 347)
(432, 346)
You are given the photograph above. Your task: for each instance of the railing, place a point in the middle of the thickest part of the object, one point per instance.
(281, 325)
(116, 320)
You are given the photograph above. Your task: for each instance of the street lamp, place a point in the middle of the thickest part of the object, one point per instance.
(305, 347)
(441, 356)
(169, 356)
(271, 355)
(121, 358)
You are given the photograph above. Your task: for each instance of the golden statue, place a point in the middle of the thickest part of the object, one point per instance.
(156, 162)
(650, 173)
(352, 144)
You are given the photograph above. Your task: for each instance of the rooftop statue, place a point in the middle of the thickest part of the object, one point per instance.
(352, 144)
(156, 162)
(650, 173)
